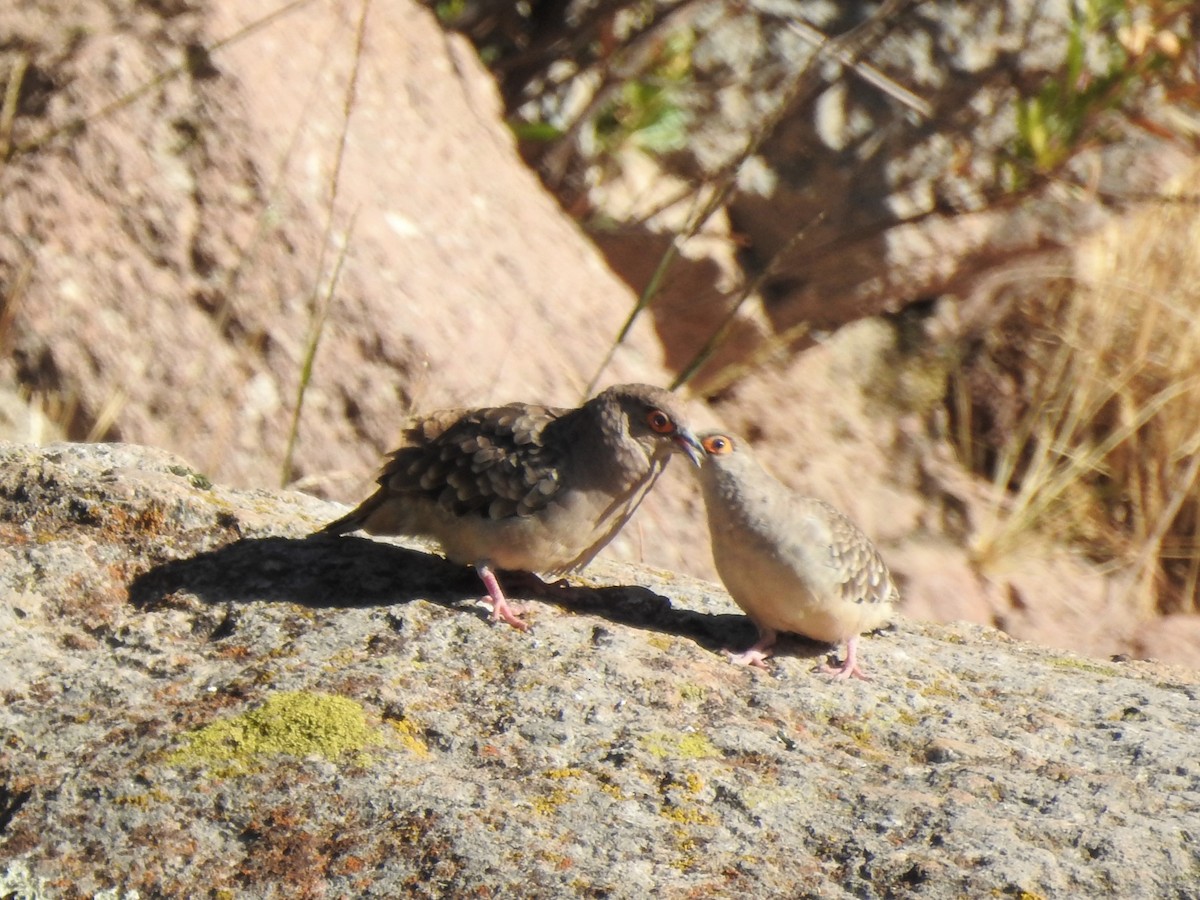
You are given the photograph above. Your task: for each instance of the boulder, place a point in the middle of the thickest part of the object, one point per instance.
(196, 693)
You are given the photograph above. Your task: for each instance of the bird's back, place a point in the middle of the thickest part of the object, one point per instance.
(489, 464)
(493, 463)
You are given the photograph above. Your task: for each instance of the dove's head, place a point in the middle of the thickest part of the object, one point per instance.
(654, 418)
(727, 463)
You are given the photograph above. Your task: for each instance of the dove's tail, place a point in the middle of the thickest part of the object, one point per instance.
(353, 520)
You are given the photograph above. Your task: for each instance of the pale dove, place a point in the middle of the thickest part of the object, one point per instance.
(793, 563)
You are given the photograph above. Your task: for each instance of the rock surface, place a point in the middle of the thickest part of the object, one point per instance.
(195, 694)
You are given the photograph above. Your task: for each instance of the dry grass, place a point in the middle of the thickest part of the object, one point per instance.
(1104, 449)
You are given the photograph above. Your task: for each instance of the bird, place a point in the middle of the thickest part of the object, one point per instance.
(792, 563)
(525, 487)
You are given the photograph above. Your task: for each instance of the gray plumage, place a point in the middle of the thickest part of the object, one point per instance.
(793, 563)
(526, 487)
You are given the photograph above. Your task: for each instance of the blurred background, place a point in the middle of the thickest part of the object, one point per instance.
(939, 261)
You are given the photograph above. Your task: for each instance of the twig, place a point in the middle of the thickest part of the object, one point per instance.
(12, 97)
(867, 72)
(320, 303)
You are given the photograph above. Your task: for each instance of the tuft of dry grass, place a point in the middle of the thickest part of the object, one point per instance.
(1103, 449)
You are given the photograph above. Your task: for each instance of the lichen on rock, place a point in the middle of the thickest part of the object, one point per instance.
(297, 723)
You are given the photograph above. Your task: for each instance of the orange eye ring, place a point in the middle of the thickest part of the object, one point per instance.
(660, 422)
(717, 445)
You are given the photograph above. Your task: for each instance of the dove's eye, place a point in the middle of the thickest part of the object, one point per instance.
(660, 422)
(717, 444)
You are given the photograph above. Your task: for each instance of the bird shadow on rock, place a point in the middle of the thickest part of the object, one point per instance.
(642, 608)
(322, 572)
(716, 632)
(347, 571)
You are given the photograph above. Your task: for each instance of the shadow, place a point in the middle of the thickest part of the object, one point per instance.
(716, 632)
(318, 571)
(642, 608)
(344, 572)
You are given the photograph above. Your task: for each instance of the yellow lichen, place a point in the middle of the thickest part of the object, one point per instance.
(341, 659)
(688, 850)
(613, 790)
(690, 782)
(551, 802)
(697, 746)
(296, 723)
(410, 737)
(563, 773)
(689, 815)
(689, 691)
(558, 795)
(663, 744)
(1083, 665)
(142, 800)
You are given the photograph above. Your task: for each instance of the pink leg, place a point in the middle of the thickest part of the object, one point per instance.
(848, 669)
(756, 656)
(502, 610)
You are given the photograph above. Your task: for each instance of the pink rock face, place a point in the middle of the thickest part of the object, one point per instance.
(174, 276)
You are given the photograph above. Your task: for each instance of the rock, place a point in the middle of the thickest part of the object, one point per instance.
(939, 585)
(194, 693)
(463, 283)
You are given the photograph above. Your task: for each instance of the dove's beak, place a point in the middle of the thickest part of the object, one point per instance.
(688, 444)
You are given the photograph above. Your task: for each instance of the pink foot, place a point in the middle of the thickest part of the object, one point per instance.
(758, 654)
(502, 610)
(751, 657)
(850, 668)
